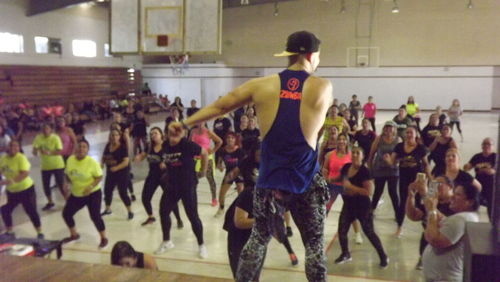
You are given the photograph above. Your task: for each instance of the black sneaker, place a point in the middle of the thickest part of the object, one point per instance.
(40, 236)
(294, 259)
(132, 197)
(180, 225)
(343, 258)
(104, 243)
(71, 239)
(48, 206)
(384, 263)
(130, 215)
(106, 212)
(148, 221)
(289, 232)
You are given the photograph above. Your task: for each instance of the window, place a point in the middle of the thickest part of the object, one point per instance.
(106, 50)
(84, 48)
(11, 43)
(42, 44)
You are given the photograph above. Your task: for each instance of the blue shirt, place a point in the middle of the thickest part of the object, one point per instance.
(288, 162)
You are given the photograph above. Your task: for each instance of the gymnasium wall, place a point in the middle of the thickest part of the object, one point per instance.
(77, 22)
(424, 33)
(475, 87)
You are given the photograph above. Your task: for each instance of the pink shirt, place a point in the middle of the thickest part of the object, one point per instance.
(370, 109)
(335, 164)
(202, 139)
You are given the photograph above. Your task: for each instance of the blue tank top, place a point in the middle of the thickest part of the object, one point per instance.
(288, 162)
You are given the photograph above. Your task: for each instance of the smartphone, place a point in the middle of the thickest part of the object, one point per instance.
(421, 176)
(432, 188)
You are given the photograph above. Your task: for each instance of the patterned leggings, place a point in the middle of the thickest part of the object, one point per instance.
(308, 212)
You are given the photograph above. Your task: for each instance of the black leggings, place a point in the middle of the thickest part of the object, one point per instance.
(404, 182)
(93, 203)
(365, 217)
(392, 187)
(120, 179)
(59, 176)
(28, 199)
(372, 121)
(150, 185)
(168, 203)
(452, 123)
(211, 179)
(423, 244)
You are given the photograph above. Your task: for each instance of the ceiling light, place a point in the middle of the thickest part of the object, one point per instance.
(276, 9)
(245, 2)
(470, 6)
(395, 9)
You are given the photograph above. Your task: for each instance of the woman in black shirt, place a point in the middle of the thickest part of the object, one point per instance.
(153, 180)
(123, 254)
(230, 156)
(358, 187)
(440, 146)
(115, 157)
(412, 159)
(454, 173)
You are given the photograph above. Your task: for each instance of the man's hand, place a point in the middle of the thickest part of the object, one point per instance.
(113, 169)
(87, 190)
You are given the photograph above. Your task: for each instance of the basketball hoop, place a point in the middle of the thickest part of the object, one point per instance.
(179, 63)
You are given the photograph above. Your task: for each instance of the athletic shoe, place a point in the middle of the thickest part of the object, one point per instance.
(148, 221)
(343, 258)
(384, 263)
(419, 265)
(358, 238)
(219, 213)
(40, 236)
(130, 215)
(180, 224)
(71, 239)
(289, 232)
(203, 253)
(106, 212)
(294, 259)
(48, 206)
(104, 243)
(164, 246)
(132, 197)
(214, 202)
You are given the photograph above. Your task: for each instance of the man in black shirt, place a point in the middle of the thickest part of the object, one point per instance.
(193, 109)
(484, 166)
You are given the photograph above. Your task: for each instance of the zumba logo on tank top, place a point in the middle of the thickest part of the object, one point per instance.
(292, 84)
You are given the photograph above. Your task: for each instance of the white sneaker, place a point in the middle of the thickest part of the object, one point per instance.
(358, 238)
(164, 246)
(203, 253)
(219, 213)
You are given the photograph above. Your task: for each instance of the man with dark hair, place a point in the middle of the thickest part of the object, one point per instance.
(291, 108)
(443, 259)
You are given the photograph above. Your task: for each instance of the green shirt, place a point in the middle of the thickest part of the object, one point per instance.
(10, 167)
(50, 143)
(82, 173)
(412, 109)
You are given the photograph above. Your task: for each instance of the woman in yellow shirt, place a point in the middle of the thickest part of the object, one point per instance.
(413, 111)
(84, 175)
(15, 167)
(49, 146)
(333, 119)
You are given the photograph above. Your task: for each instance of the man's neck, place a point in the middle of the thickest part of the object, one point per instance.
(301, 66)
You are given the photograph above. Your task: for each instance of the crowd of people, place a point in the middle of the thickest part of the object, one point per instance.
(422, 167)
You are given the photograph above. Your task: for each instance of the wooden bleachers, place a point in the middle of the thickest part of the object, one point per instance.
(46, 84)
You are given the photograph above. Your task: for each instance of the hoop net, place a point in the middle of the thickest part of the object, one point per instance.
(179, 63)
